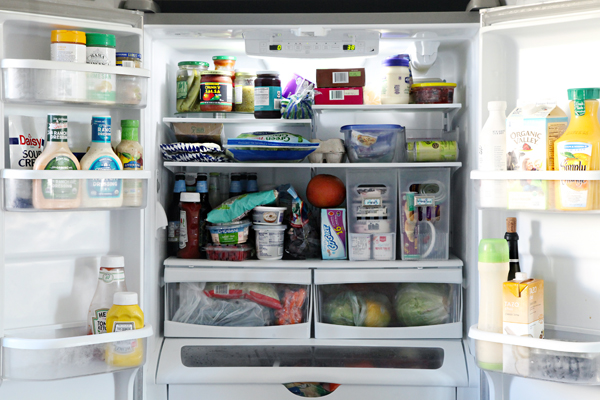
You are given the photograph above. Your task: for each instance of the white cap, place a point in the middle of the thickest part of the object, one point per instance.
(496, 106)
(520, 276)
(125, 299)
(190, 197)
(112, 261)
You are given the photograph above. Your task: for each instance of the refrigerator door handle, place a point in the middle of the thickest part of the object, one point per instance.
(161, 220)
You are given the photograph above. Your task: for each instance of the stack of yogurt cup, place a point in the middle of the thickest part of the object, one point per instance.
(269, 228)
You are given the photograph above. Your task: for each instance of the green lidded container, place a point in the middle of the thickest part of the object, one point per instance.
(493, 251)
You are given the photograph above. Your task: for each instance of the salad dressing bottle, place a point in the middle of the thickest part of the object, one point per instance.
(131, 153)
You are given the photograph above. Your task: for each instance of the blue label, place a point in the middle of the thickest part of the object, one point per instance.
(252, 186)
(202, 187)
(236, 187)
(133, 164)
(101, 129)
(104, 188)
(179, 187)
(267, 98)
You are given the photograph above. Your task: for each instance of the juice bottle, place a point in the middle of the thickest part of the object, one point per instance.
(125, 315)
(578, 149)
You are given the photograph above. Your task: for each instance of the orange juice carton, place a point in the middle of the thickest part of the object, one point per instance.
(523, 315)
(531, 131)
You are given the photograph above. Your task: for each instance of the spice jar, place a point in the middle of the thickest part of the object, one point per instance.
(101, 49)
(267, 95)
(188, 85)
(129, 60)
(68, 46)
(189, 225)
(216, 91)
(224, 63)
(244, 91)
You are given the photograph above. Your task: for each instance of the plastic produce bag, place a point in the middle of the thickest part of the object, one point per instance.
(238, 207)
(421, 304)
(357, 309)
(264, 294)
(302, 240)
(300, 105)
(197, 308)
(291, 312)
(229, 290)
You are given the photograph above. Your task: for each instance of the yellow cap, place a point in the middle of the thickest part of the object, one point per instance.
(63, 36)
(434, 84)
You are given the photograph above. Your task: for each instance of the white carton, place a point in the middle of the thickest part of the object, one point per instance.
(531, 131)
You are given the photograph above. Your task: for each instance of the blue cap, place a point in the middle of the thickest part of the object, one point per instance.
(400, 60)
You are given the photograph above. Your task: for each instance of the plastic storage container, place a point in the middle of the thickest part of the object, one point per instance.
(371, 201)
(371, 143)
(388, 303)
(230, 233)
(269, 241)
(434, 92)
(268, 215)
(244, 303)
(431, 145)
(231, 252)
(424, 213)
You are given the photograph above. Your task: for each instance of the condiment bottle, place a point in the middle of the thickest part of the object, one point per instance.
(101, 157)
(235, 188)
(267, 95)
(56, 193)
(492, 155)
(125, 315)
(578, 149)
(397, 80)
(68, 46)
(252, 186)
(131, 152)
(224, 63)
(189, 225)
(101, 50)
(111, 280)
(173, 215)
(512, 237)
(493, 272)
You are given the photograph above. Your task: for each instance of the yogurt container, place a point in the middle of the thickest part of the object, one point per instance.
(268, 215)
(230, 233)
(269, 241)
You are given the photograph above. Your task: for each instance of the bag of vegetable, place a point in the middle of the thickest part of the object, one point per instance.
(422, 304)
(357, 309)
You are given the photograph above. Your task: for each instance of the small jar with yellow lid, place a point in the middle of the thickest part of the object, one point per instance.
(68, 46)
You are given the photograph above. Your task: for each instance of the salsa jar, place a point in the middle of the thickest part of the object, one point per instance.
(188, 85)
(244, 91)
(189, 225)
(267, 95)
(216, 93)
(224, 63)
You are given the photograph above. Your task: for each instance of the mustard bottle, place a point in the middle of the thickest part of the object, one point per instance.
(125, 315)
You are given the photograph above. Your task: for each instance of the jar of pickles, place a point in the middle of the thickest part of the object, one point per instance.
(188, 85)
(244, 91)
(224, 63)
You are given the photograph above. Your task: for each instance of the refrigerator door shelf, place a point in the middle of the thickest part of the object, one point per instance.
(66, 353)
(376, 292)
(566, 356)
(275, 361)
(65, 83)
(18, 186)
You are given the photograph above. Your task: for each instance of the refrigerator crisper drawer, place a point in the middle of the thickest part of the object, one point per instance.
(67, 353)
(562, 356)
(388, 304)
(129, 190)
(52, 82)
(238, 303)
(347, 362)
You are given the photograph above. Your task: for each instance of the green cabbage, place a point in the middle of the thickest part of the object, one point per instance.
(421, 304)
(358, 309)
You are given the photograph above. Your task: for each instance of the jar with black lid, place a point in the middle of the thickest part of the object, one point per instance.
(267, 95)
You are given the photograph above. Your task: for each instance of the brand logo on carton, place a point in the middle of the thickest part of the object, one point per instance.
(39, 143)
(331, 244)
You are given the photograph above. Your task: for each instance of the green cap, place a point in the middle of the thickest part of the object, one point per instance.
(129, 129)
(100, 40)
(200, 63)
(584, 93)
(493, 251)
(224, 58)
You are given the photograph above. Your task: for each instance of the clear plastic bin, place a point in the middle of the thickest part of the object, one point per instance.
(371, 143)
(232, 252)
(431, 145)
(562, 356)
(64, 353)
(19, 185)
(371, 202)
(424, 213)
(238, 303)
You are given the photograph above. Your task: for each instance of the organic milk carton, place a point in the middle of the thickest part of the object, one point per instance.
(333, 233)
(523, 315)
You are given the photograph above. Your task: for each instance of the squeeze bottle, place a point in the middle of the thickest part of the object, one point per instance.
(492, 155)
(111, 279)
(578, 149)
(125, 315)
(493, 272)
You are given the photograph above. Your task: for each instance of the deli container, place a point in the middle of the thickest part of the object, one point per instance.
(268, 215)
(230, 233)
(229, 252)
(433, 92)
(374, 143)
(269, 241)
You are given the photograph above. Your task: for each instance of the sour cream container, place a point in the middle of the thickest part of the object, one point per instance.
(269, 241)
(268, 215)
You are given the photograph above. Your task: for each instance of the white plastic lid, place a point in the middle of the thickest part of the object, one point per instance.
(496, 106)
(190, 197)
(520, 276)
(110, 261)
(269, 227)
(125, 299)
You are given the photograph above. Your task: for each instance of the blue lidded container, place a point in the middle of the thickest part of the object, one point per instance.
(373, 143)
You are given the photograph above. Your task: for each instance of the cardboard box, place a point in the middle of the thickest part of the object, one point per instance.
(330, 96)
(334, 235)
(531, 131)
(340, 77)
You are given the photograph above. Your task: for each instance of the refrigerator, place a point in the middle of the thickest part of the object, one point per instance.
(49, 267)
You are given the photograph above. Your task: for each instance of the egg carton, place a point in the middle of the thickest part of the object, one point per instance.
(330, 151)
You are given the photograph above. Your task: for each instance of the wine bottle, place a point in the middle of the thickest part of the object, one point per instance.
(512, 237)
